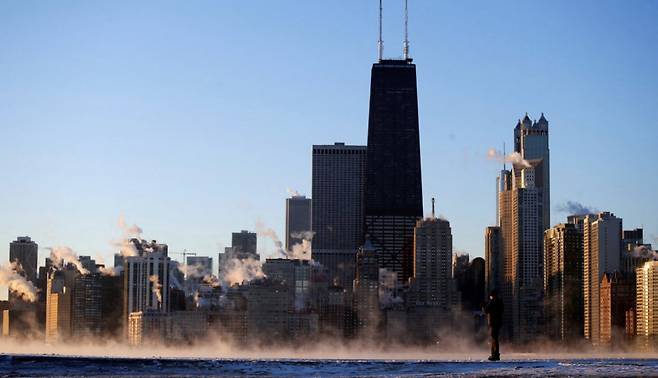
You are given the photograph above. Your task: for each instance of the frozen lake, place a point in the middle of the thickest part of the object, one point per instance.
(33, 365)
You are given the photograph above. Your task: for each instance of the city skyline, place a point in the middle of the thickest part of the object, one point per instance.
(157, 167)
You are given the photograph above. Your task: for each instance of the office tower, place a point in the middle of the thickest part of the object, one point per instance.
(294, 274)
(493, 259)
(245, 244)
(202, 265)
(59, 297)
(393, 191)
(432, 271)
(469, 280)
(146, 278)
(646, 299)
(634, 252)
(24, 251)
(298, 220)
(521, 247)
(563, 281)
(617, 297)
(337, 217)
(87, 305)
(366, 289)
(531, 141)
(601, 254)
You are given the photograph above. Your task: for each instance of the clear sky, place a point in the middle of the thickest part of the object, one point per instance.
(193, 118)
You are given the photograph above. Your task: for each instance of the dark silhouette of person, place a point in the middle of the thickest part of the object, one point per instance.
(494, 311)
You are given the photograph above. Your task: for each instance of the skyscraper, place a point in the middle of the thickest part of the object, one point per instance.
(432, 270)
(298, 220)
(245, 244)
(602, 251)
(646, 299)
(366, 289)
(521, 250)
(146, 278)
(24, 251)
(531, 141)
(337, 216)
(563, 281)
(393, 195)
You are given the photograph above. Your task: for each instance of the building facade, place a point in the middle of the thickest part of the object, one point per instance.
(432, 268)
(601, 254)
(563, 282)
(24, 251)
(338, 185)
(298, 221)
(393, 194)
(646, 299)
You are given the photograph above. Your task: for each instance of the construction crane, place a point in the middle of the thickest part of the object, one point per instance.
(185, 253)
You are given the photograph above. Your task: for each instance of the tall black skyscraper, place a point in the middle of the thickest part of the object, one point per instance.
(393, 197)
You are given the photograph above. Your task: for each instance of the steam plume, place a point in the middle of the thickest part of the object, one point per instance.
(16, 283)
(514, 158)
(238, 271)
(110, 271)
(643, 251)
(576, 208)
(156, 287)
(62, 255)
(269, 233)
(126, 247)
(293, 192)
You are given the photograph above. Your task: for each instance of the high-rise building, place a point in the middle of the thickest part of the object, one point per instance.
(393, 194)
(244, 245)
(298, 220)
(337, 217)
(563, 282)
(616, 298)
(24, 251)
(521, 246)
(201, 264)
(59, 296)
(493, 259)
(601, 254)
(531, 141)
(146, 278)
(646, 299)
(366, 289)
(432, 270)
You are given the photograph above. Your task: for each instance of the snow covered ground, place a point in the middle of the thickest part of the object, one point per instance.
(39, 365)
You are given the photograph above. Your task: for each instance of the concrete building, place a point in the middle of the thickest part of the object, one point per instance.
(244, 245)
(646, 299)
(366, 290)
(432, 270)
(24, 251)
(521, 243)
(563, 282)
(338, 185)
(616, 298)
(146, 278)
(602, 251)
(298, 221)
(531, 142)
(59, 296)
(296, 276)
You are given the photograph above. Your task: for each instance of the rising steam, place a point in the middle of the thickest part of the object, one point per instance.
(16, 283)
(65, 255)
(576, 208)
(239, 271)
(514, 158)
(157, 287)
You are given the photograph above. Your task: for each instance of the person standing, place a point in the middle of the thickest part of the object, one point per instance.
(494, 311)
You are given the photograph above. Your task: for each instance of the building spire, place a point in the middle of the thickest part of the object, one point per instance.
(504, 157)
(380, 42)
(405, 47)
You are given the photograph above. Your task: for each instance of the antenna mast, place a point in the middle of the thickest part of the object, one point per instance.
(405, 47)
(504, 157)
(380, 42)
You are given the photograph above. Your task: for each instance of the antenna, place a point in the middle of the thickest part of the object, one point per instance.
(433, 208)
(380, 42)
(405, 46)
(504, 157)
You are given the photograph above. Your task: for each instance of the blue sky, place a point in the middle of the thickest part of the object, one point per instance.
(192, 118)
